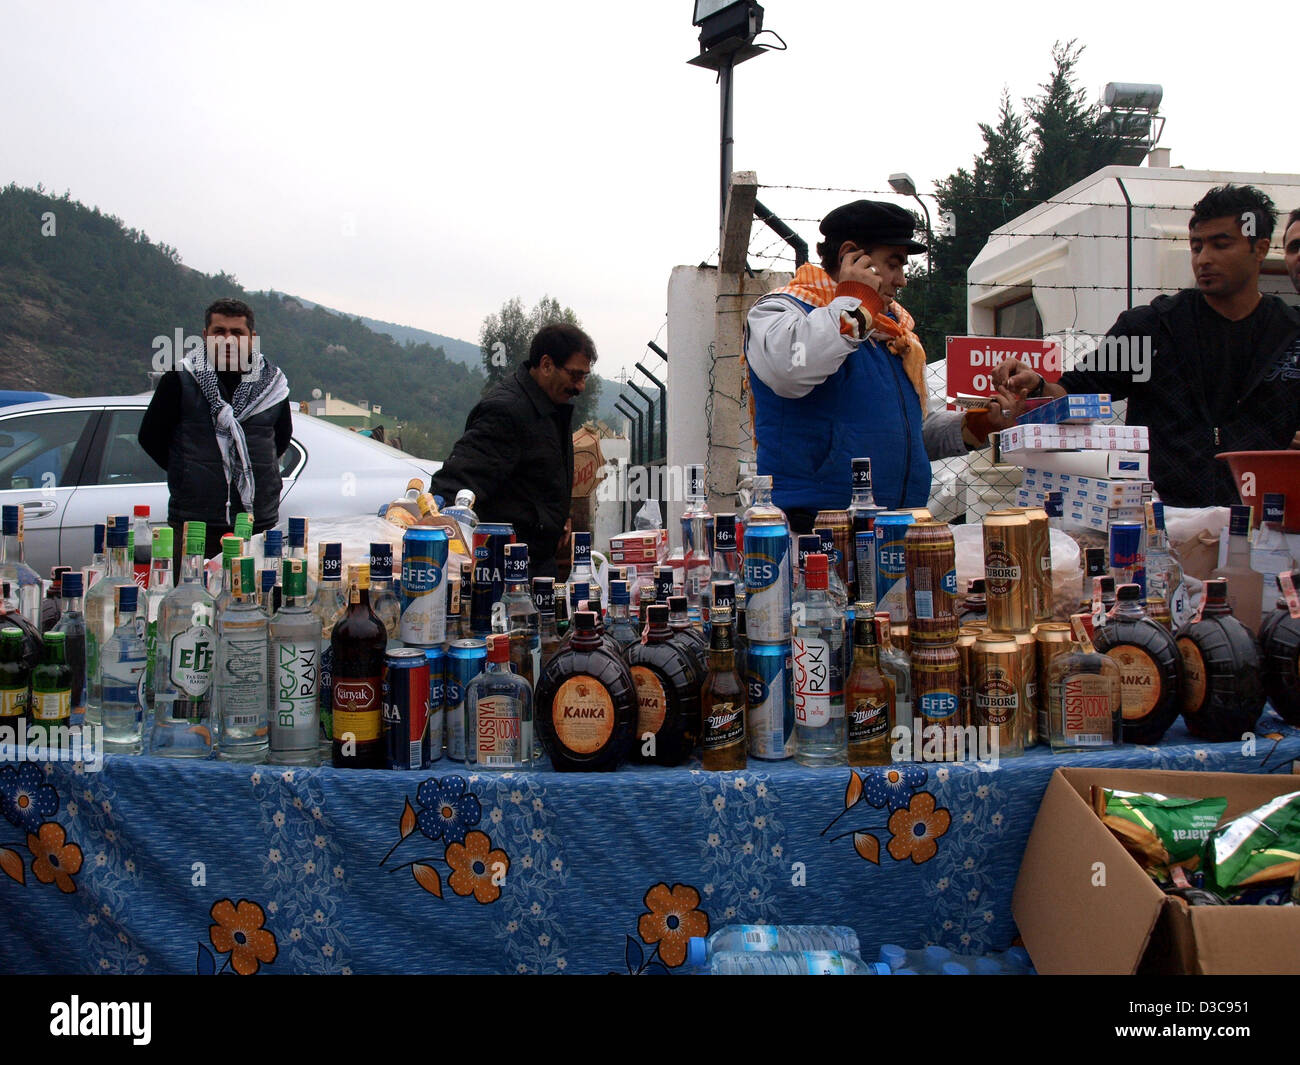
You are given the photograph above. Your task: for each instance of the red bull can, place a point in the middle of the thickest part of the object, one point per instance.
(406, 708)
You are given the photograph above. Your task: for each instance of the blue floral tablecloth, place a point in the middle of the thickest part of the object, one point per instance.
(158, 866)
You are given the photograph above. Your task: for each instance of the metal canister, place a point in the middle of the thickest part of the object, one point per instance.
(966, 637)
(1040, 547)
(437, 659)
(769, 727)
(767, 583)
(1127, 565)
(891, 562)
(936, 679)
(466, 659)
(1029, 670)
(489, 572)
(930, 557)
(900, 636)
(1008, 579)
(424, 600)
(406, 708)
(1053, 638)
(932, 632)
(841, 526)
(999, 691)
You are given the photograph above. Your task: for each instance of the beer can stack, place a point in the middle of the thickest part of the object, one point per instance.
(769, 728)
(930, 563)
(1006, 693)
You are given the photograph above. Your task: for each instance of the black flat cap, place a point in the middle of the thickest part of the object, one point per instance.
(868, 222)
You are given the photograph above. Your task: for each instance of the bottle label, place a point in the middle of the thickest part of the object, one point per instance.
(356, 708)
(52, 706)
(1086, 719)
(997, 698)
(13, 702)
(297, 686)
(724, 724)
(939, 703)
(812, 681)
(243, 688)
(758, 937)
(1194, 685)
(823, 963)
(1139, 680)
(193, 654)
(868, 719)
(583, 714)
(500, 719)
(651, 701)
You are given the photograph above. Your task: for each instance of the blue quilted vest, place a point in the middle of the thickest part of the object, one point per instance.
(867, 407)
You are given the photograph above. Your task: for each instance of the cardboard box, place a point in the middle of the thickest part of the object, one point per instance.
(587, 462)
(1083, 905)
(1073, 437)
(1121, 465)
(638, 548)
(1103, 491)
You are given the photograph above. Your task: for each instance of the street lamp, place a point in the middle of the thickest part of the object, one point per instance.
(903, 184)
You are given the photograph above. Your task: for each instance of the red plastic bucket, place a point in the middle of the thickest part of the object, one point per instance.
(1267, 471)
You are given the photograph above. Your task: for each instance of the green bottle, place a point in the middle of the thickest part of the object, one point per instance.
(14, 678)
(51, 702)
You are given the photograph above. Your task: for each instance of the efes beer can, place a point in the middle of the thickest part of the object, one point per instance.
(936, 683)
(767, 583)
(466, 659)
(930, 557)
(1052, 639)
(891, 562)
(1008, 578)
(769, 727)
(406, 707)
(999, 691)
(424, 599)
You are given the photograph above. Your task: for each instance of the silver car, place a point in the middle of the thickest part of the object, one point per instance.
(71, 462)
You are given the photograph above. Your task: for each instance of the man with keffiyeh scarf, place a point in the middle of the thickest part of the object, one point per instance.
(218, 425)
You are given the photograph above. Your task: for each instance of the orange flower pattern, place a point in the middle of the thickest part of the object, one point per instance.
(673, 919)
(915, 831)
(54, 860)
(239, 933)
(477, 869)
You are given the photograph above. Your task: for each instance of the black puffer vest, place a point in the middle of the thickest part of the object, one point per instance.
(195, 477)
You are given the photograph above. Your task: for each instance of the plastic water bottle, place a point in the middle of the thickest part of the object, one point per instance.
(805, 963)
(940, 961)
(787, 939)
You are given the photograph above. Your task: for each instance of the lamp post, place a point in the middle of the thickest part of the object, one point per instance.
(905, 186)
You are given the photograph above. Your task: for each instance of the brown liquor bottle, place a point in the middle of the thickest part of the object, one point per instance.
(868, 696)
(357, 646)
(1151, 669)
(668, 694)
(1223, 694)
(585, 705)
(724, 700)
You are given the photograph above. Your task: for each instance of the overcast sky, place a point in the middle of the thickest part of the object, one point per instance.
(423, 162)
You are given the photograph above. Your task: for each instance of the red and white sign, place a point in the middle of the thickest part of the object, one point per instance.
(971, 361)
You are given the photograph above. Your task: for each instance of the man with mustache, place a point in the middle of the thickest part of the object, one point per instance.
(1224, 372)
(516, 453)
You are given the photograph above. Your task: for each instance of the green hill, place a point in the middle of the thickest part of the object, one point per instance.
(80, 308)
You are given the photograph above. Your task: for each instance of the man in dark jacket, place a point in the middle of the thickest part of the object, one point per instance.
(1210, 369)
(516, 453)
(218, 425)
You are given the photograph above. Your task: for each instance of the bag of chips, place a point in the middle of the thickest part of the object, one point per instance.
(1159, 831)
(1257, 847)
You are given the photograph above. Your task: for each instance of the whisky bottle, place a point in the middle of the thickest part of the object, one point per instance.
(724, 699)
(869, 695)
(1151, 669)
(1223, 694)
(668, 695)
(1084, 696)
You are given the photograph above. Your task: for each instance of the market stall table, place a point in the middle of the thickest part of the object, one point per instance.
(156, 865)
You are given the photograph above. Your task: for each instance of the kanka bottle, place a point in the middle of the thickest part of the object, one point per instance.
(1151, 669)
(1279, 650)
(1222, 692)
(668, 694)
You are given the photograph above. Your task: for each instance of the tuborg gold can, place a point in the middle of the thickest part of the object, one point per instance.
(999, 691)
(1008, 577)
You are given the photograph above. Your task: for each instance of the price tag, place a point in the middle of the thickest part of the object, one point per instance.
(1098, 610)
(1287, 584)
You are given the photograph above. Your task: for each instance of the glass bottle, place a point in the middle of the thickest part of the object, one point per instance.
(383, 600)
(697, 560)
(141, 543)
(72, 623)
(101, 607)
(1279, 650)
(817, 650)
(121, 668)
(869, 695)
(358, 643)
(562, 610)
(726, 553)
(156, 588)
(805, 544)
(24, 582)
(836, 590)
(98, 559)
(295, 651)
(544, 600)
(499, 710)
(186, 658)
(15, 684)
(523, 620)
(241, 681)
(297, 540)
(431, 516)
(896, 665)
(232, 548)
(1094, 566)
(668, 695)
(1085, 696)
(687, 634)
(1151, 670)
(586, 703)
(463, 514)
(620, 622)
(329, 605)
(50, 705)
(1245, 586)
(724, 696)
(272, 557)
(862, 513)
(1222, 689)
(1164, 572)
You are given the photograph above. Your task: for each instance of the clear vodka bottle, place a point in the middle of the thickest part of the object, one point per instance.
(101, 607)
(1164, 571)
(697, 552)
(817, 653)
(156, 588)
(121, 670)
(24, 582)
(499, 713)
(383, 600)
(241, 681)
(72, 623)
(523, 621)
(295, 677)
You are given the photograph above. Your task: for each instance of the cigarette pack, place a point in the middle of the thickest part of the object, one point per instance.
(1117, 465)
(1039, 438)
(1088, 407)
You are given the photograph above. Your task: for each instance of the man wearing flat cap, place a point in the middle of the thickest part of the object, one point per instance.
(836, 373)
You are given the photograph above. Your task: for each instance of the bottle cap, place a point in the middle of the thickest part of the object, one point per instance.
(1239, 519)
(1107, 585)
(231, 547)
(584, 621)
(11, 634)
(953, 968)
(71, 585)
(359, 574)
(724, 532)
(695, 476)
(861, 472)
(162, 542)
(516, 568)
(381, 560)
(331, 568)
(99, 538)
(243, 579)
(697, 951)
(117, 532)
(975, 586)
(1129, 593)
(807, 544)
(140, 510)
(826, 538)
(657, 614)
(1095, 559)
(581, 548)
(1216, 591)
(297, 532)
(465, 498)
(893, 955)
(814, 571)
(578, 591)
(618, 592)
(244, 525)
(9, 519)
(268, 579)
(273, 543)
(498, 648)
(196, 537)
(724, 594)
(127, 596)
(294, 575)
(544, 594)
(762, 481)
(677, 604)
